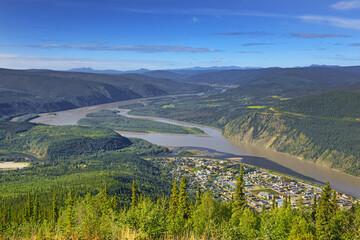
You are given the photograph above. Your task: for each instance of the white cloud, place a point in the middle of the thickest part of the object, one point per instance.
(255, 44)
(333, 21)
(6, 55)
(346, 5)
(14, 61)
(195, 19)
(248, 52)
(141, 49)
(318, 35)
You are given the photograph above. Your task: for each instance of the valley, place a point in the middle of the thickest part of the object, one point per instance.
(213, 139)
(169, 120)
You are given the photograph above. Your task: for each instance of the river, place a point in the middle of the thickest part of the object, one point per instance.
(214, 140)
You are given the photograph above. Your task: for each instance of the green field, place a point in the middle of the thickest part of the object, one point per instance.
(256, 107)
(168, 106)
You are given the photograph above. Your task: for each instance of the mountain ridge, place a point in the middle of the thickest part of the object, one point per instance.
(35, 91)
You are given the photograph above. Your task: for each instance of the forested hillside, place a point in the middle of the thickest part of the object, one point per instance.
(34, 91)
(322, 128)
(58, 142)
(104, 216)
(281, 77)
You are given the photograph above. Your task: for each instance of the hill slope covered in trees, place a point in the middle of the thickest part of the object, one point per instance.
(34, 91)
(323, 128)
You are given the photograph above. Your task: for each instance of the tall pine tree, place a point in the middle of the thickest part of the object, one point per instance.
(36, 209)
(198, 195)
(323, 214)
(183, 199)
(28, 208)
(54, 208)
(173, 203)
(239, 200)
(134, 195)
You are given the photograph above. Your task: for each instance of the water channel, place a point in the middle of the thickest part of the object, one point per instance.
(213, 140)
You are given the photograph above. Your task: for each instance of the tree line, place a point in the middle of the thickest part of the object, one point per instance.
(177, 216)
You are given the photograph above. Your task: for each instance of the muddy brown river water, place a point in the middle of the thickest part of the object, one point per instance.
(214, 140)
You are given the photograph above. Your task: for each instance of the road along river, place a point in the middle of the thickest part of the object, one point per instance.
(214, 140)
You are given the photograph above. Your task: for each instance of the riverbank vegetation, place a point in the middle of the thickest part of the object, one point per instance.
(111, 119)
(321, 128)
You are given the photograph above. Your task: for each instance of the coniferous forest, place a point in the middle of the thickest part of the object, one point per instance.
(57, 215)
(94, 192)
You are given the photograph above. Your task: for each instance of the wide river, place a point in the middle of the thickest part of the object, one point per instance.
(214, 140)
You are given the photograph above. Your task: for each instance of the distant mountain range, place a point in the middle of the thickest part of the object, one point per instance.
(144, 70)
(34, 91)
(106, 71)
(314, 75)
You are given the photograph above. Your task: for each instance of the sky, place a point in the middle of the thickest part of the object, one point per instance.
(169, 34)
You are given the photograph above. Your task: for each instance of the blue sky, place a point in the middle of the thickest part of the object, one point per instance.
(163, 34)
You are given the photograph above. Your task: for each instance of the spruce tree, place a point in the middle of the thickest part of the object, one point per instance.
(313, 208)
(28, 208)
(114, 203)
(173, 203)
(36, 210)
(239, 201)
(54, 208)
(134, 195)
(274, 203)
(323, 214)
(285, 203)
(198, 195)
(4, 216)
(334, 203)
(183, 199)
(70, 212)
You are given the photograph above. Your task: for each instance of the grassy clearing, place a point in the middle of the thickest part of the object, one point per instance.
(169, 106)
(197, 169)
(256, 107)
(214, 100)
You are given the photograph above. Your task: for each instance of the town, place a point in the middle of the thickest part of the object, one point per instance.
(261, 186)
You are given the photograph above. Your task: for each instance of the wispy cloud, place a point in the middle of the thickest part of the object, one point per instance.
(344, 58)
(195, 19)
(333, 21)
(328, 20)
(99, 41)
(217, 60)
(354, 44)
(316, 49)
(346, 5)
(255, 44)
(251, 34)
(15, 61)
(249, 52)
(141, 49)
(318, 35)
(202, 11)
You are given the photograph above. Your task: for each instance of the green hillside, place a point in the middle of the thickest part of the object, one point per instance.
(327, 133)
(339, 104)
(35, 91)
(54, 142)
